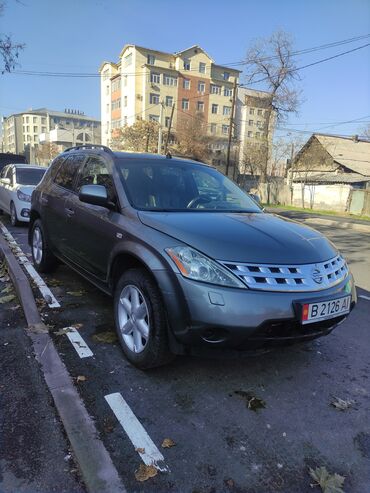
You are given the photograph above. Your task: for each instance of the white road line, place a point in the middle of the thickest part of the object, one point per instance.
(140, 439)
(364, 297)
(44, 290)
(78, 343)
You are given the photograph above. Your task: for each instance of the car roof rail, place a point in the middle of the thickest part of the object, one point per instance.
(89, 146)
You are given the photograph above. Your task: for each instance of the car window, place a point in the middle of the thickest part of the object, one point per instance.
(68, 170)
(9, 174)
(181, 186)
(95, 172)
(25, 176)
(3, 172)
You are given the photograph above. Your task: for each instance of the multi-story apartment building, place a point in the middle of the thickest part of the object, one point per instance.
(25, 131)
(145, 84)
(144, 79)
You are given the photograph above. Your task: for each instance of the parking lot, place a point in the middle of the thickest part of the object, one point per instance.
(217, 441)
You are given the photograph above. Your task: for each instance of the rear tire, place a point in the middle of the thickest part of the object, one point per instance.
(43, 258)
(141, 321)
(13, 215)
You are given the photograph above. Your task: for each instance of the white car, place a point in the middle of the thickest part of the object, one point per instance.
(17, 182)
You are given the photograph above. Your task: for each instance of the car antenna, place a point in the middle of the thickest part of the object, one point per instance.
(169, 155)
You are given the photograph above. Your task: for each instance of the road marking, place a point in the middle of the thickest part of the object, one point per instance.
(140, 439)
(78, 343)
(364, 297)
(23, 260)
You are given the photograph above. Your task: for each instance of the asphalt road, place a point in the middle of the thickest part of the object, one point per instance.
(221, 445)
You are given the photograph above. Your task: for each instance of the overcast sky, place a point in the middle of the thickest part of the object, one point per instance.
(77, 35)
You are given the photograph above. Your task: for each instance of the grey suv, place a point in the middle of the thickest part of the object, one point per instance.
(191, 260)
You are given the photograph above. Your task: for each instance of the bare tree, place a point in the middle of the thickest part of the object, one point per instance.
(9, 50)
(366, 132)
(46, 152)
(142, 136)
(192, 138)
(270, 61)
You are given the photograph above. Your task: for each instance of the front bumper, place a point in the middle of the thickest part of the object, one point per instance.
(238, 318)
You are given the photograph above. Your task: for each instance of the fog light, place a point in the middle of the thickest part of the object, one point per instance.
(25, 213)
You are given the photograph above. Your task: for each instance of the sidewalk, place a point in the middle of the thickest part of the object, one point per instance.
(34, 453)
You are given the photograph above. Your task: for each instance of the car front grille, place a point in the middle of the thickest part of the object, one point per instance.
(291, 277)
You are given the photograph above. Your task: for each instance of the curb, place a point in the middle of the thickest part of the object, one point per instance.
(95, 463)
(363, 228)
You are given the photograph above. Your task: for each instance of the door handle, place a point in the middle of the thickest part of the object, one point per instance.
(69, 212)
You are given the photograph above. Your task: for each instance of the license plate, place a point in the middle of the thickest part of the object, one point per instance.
(323, 310)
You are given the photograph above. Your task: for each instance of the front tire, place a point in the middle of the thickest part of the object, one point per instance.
(141, 321)
(13, 215)
(43, 258)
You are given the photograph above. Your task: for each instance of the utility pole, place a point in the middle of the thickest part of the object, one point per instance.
(159, 148)
(231, 124)
(169, 129)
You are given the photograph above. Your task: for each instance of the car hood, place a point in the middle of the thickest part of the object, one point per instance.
(27, 189)
(243, 237)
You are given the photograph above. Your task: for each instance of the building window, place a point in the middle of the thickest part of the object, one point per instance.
(125, 81)
(167, 121)
(34, 119)
(185, 104)
(214, 109)
(259, 124)
(116, 104)
(150, 59)
(250, 122)
(187, 64)
(169, 80)
(125, 120)
(43, 120)
(258, 135)
(116, 84)
(186, 83)
(127, 61)
(106, 74)
(202, 87)
(154, 118)
(225, 129)
(35, 129)
(27, 119)
(125, 101)
(202, 67)
(154, 98)
(251, 111)
(250, 134)
(200, 106)
(228, 92)
(28, 128)
(226, 111)
(155, 78)
(213, 128)
(226, 75)
(169, 101)
(259, 112)
(215, 89)
(107, 90)
(107, 109)
(116, 123)
(43, 130)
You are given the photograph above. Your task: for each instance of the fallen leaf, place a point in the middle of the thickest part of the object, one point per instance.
(145, 472)
(61, 332)
(342, 404)
(81, 378)
(7, 299)
(76, 293)
(252, 402)
(168, 443)
(77, 326)
(329, 483)
(140, 450)
(15, 307)
(7, 290)
(230, 483)
(107, 337)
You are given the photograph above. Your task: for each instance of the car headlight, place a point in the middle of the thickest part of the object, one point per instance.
(198, 267)
(24, 197)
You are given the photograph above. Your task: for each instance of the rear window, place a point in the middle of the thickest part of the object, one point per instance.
(29, 176)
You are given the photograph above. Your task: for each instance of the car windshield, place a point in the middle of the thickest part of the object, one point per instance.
(30, 176)
(176, 186)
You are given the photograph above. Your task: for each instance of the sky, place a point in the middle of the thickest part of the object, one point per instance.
(77, 35)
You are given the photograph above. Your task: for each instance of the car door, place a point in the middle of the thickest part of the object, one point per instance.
(92, 229)
(2, 187)
(7, 195)
(55, 212)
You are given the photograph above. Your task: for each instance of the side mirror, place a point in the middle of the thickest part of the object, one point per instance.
(5, 181)
(95, 195)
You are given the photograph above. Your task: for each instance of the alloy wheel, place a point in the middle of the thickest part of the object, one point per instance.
(37, 245)
(133, 318)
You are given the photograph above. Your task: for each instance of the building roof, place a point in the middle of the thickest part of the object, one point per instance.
(333, 178)
(353, 155)
(194, 47)
(46, 111)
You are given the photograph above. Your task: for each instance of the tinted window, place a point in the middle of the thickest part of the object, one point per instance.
(9, 174)
(68, 171)
(29, 176)
(181, 186)
(95, 172)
